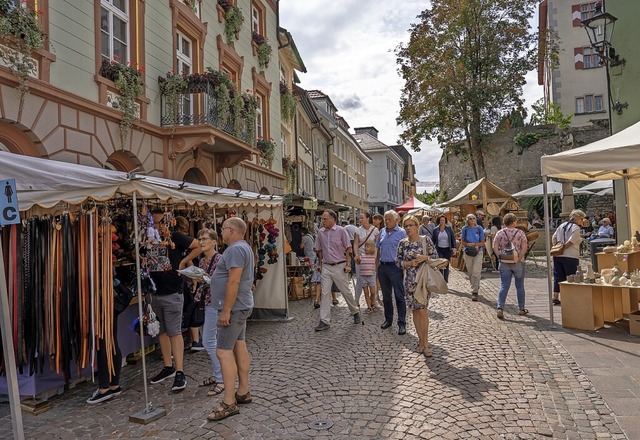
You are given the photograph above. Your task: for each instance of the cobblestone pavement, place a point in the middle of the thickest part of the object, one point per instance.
(487, 379)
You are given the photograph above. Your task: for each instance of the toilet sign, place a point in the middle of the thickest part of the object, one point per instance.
(9, 214)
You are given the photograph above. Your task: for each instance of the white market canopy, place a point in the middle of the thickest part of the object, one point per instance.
(46, 183)
(553, 187)
(411, 203)
(613, 157)
(479, 187)
(598, 185)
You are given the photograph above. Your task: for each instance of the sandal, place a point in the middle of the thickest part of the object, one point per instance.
(244, 398)
(556, 302)
(217, 389)
(208, 382)
(223, 412)
(419, 349)
(427, 351)
(523, 312)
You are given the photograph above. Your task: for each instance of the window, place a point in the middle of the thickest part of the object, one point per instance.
(114, 28)
(590, 57)
(589, 104)
(586, 10)
(257, 14)
(184, 63)
(259, 117)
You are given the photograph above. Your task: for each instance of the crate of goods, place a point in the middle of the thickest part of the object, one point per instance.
(296, 288)
(634, 323)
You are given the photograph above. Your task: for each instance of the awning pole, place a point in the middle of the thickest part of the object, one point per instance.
(547, 244)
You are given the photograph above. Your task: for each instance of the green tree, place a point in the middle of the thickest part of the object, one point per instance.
(464, 67)
(549, 114)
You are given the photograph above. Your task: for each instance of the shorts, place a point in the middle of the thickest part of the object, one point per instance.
(168, 310)
(316, 277)
(367, 280)
(235, 331)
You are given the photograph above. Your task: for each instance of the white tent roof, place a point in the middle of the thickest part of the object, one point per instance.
(598, 185)
(602, 160)
(46, 183)
(553, 188)
(493, 193)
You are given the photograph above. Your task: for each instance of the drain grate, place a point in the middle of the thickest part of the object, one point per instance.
(321, 424)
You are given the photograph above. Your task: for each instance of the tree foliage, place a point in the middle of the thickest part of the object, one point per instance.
(551, 114)
(464, 68)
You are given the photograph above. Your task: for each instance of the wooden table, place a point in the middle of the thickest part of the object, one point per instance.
(589, 306)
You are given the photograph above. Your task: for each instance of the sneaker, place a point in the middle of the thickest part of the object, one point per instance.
(356, 318)
(335, 302)
(500, 314)
(474, 297)
(180, 382)
(197, 346)
(165, 373)
(109, 394)
(322, 326)
(316, 305)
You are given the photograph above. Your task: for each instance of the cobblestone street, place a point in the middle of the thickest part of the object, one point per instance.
(487, 378)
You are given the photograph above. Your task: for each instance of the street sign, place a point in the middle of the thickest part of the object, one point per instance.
(9, 214)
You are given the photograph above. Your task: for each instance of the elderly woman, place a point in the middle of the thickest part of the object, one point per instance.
(445, 241)
(472, 237)
(507, 241)
(208, 240)
(410, 256)
(565, 264)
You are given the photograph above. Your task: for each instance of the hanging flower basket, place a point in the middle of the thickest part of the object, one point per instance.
(262, 49)
(267, 148)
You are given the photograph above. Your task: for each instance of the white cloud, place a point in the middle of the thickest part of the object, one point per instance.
(348, 49)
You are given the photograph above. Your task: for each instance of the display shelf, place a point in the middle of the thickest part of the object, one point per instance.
(606, 261)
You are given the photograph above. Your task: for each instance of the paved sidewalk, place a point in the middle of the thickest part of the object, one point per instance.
(488, 379)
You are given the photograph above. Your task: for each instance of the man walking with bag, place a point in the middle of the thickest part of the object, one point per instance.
(333, 248)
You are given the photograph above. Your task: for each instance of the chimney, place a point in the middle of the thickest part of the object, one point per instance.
(371, 131)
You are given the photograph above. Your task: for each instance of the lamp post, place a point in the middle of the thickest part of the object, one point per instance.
(600, 29)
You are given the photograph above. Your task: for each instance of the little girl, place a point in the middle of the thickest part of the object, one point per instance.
(367, 274)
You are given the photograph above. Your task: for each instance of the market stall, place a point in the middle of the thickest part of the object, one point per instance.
(67, 195)
(614, 157)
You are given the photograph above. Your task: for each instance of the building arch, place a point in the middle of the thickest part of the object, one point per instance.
(124, 161)
(16, 140)
(234, 184)
(194, 175)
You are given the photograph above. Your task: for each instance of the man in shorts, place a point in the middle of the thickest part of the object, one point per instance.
(232, 294)
(164, 260)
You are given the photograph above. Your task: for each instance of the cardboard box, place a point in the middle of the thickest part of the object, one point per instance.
(634, 323)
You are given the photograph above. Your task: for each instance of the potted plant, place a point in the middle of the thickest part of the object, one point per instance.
(233, 22)
(288, 104)
(19, 28)
(267, 148)
(263, 49)
(128, 82)
(171, 88)
(289, 169)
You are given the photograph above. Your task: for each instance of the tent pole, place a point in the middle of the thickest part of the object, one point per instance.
(547, 244)
(626, 207)
(149, 413)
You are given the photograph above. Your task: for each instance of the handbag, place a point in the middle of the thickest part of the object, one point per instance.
(435, 281)
(558, 248)
(196, 317)
(121, 297)
(468, 250)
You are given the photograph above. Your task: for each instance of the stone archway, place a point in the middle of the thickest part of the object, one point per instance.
(234, 184)
(264, 191)
(123, 161)
(15, 140)
(194, 175)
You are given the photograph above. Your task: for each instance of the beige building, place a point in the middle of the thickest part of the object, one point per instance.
(579, 84)
(72, 111)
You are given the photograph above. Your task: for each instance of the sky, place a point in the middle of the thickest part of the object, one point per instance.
(348, 48)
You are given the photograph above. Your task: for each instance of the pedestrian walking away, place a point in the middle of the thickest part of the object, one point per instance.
(510, 245)
(334, 253)
(413, 251)
(232, 295)
(472, 237)
(389, 273)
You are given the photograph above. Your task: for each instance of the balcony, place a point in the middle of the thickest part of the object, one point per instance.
(198, 105)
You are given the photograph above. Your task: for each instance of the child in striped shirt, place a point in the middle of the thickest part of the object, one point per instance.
(367, 274)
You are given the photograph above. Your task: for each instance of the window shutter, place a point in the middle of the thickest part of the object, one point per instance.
(576, 17)
(578, 59)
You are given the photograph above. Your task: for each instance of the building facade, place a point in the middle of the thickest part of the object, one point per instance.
(409, 181)
(74, 109)
(578, 82)
(385, 171)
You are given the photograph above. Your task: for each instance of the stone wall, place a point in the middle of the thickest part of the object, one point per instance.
(510, 167)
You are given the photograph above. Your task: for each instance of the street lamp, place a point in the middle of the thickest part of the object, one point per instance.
(600, 29)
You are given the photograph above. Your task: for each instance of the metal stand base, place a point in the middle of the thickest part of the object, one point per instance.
(147, 416)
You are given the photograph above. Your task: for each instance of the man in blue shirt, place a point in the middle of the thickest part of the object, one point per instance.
(389, 273)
